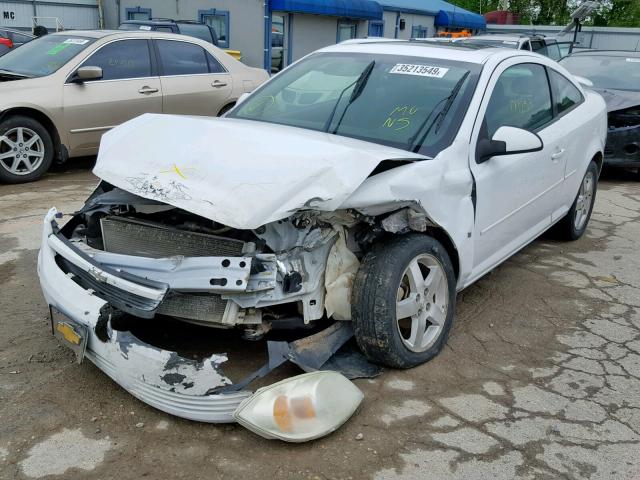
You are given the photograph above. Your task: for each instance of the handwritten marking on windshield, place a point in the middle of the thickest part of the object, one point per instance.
(400, 117)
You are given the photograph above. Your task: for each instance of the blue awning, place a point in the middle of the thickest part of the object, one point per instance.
(447, 15)
(361, 9)
(460, 19)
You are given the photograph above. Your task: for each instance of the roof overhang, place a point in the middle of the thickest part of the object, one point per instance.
(460, 19)
(360, 9)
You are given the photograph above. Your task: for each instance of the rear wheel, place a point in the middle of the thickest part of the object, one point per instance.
(574, 224)
(26, 150)
(404, 301)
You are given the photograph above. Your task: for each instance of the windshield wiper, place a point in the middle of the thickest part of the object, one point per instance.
(360, 83)
(438, 119)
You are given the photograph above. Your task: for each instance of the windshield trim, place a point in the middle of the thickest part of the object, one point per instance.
(457, 114)
(25, 75)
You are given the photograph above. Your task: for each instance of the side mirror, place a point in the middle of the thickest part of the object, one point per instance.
(242, 98)
(508, 141)
(585, 82)
(84, 74)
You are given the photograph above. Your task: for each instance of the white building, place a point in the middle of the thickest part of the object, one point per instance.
(53, 14)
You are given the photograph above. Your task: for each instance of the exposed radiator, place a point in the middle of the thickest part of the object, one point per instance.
(140, 238)
(144, 239)
(202, 308)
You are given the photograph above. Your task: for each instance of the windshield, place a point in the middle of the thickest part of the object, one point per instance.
(618, 73)
(43, 55)
(485, 42)
(412, 103)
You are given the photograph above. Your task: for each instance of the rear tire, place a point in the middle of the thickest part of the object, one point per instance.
(26, 150)
(403, 301)
(575, 222)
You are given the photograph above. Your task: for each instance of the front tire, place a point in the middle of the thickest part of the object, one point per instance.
(403, 302)
(574, 224)
(26, 150)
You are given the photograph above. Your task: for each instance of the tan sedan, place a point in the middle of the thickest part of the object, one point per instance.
(61, 92)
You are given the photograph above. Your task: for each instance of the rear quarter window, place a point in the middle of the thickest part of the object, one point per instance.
(196, 30)
(565, 95)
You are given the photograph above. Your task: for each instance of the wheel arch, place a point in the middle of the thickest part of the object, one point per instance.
(441, 235)
(431, 229)
(227, 106)
(60, 150)
(599, 159)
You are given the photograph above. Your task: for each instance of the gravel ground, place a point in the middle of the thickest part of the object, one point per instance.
(540, 377)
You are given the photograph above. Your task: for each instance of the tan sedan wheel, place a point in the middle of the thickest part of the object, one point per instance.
(26, 150)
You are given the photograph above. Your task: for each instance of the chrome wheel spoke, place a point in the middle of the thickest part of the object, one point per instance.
(407, 307)
(29, 143)
(418, 327)
(5, 139)
(415, 276)
(20, 136)
(7, 155)
(436, 316)
(15, 164)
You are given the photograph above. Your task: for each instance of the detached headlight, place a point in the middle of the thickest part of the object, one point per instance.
(300, 408)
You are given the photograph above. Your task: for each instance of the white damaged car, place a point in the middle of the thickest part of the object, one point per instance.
(365, 185)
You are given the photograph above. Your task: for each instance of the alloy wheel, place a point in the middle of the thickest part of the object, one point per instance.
(583, 202)
(21, 151)
(422, 302)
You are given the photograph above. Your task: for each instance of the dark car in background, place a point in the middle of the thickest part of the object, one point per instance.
(616, 76)
(12, 38)
(182, 27)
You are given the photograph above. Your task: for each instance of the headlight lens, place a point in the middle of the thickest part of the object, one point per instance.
(300, 408)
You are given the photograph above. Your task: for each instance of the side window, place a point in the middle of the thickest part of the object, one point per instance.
(526, 46)
(539, 47)
(565, 94)
(181, 58)
(19, 38)
(520, 98)
(553, 51)
(214, 65)
(122, 59)
(195, 30)
(219, 20)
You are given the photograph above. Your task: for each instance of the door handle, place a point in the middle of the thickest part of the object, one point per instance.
(558, 153)
(218, 84)
(146, 89)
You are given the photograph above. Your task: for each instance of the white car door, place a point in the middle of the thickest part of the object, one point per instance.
(515, 194)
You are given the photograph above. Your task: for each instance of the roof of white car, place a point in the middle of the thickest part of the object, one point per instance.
(444, 51)
(514, 38)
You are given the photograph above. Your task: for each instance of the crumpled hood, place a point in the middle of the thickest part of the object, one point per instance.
(240, 173)
(618, 99)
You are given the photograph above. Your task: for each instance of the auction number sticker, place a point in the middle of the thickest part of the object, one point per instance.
(633, 60)
(76, 41)
(420, 70)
